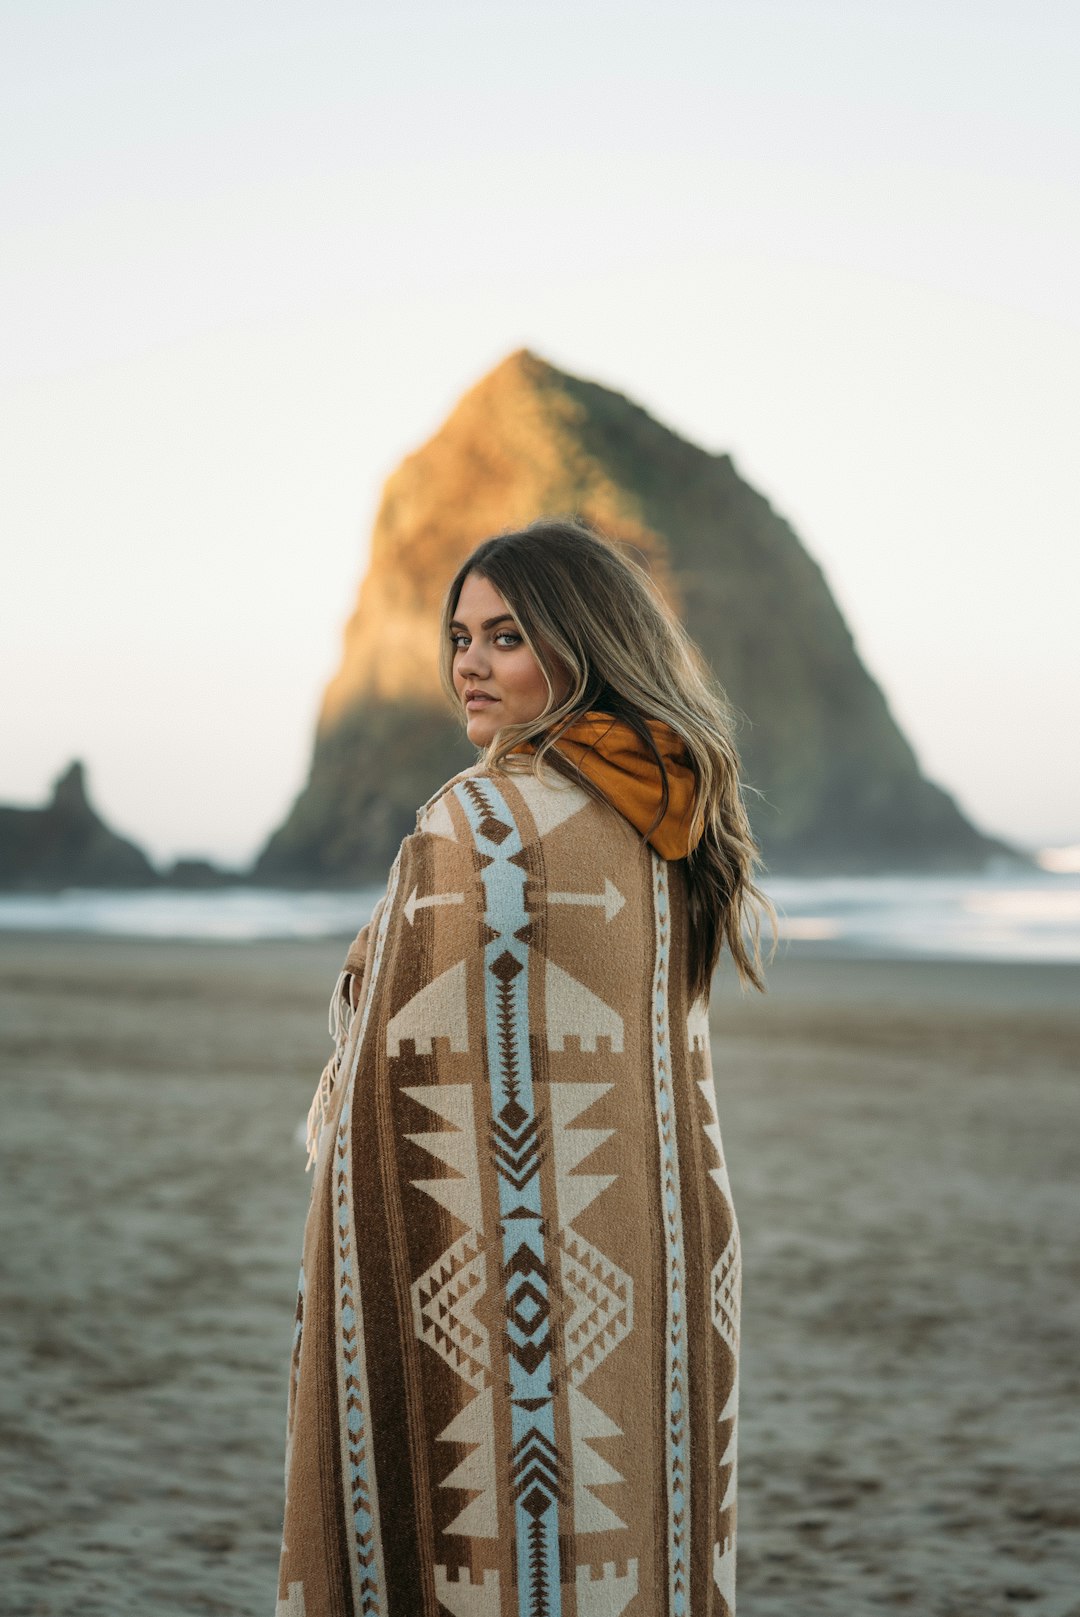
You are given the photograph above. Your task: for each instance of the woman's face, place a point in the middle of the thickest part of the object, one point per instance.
(492, 660)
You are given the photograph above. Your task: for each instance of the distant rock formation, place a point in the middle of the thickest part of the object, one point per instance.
(66, 844)
(841, 789)
(200, 874)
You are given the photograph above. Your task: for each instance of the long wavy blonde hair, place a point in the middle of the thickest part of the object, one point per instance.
(590, 612)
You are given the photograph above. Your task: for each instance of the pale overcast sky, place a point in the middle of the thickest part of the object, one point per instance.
(254, 252)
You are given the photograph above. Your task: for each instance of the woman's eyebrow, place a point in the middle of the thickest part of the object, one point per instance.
(488, 623)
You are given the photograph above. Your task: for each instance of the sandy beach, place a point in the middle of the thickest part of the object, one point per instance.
(903, 1141)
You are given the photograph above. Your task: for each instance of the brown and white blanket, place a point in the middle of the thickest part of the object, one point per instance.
(514, 1376)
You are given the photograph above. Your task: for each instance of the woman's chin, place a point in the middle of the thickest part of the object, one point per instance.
(480, 728)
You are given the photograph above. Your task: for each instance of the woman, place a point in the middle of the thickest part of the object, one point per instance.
(514, 1385)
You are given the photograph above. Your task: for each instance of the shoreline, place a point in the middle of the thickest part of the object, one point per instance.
(793, 953)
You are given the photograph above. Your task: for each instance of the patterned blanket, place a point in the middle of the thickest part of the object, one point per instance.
(514, 1381)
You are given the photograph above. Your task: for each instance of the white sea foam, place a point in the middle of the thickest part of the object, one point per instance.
(224, 913)
(1064, 860)
(1025, 916)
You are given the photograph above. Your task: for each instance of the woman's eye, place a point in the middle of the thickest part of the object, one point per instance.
(457, 640)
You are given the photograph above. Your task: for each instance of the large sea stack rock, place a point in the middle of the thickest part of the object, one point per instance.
(66, 844)
(841, 787)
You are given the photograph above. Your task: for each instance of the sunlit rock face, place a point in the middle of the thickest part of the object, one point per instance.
(840, 788)
(67, 844)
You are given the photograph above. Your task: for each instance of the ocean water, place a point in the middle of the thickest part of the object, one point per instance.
(1028, 915)
(223, 914)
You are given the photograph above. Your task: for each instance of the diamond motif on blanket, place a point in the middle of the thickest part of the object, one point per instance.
(494, 830)
(726, 1277)
(601, 1296)
(444, 1302)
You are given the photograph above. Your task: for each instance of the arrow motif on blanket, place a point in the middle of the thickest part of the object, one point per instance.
(610, 900)
(412, 903)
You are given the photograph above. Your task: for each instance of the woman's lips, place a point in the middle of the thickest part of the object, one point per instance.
(480, 701)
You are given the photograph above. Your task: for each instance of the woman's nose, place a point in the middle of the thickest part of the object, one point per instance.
(472, 664)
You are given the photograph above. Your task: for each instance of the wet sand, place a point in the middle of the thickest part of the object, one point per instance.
(904, 1147)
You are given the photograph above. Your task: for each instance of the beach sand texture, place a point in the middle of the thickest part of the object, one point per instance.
(904, 1148)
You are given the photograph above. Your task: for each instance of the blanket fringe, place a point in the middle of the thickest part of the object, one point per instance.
(339, 1026)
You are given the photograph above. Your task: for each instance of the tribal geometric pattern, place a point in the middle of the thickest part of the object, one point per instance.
(516, 1342)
